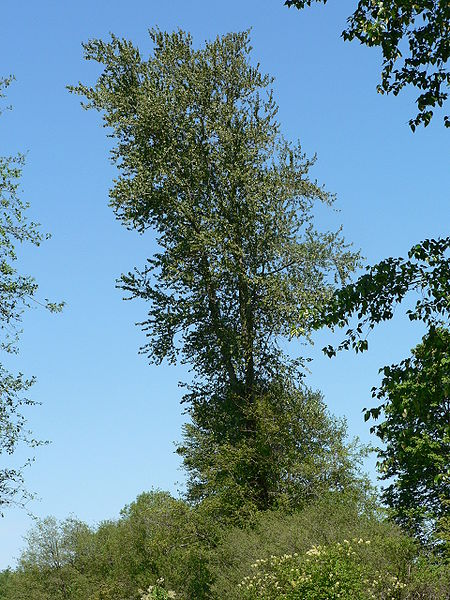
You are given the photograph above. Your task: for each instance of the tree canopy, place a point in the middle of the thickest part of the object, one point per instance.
(415, 41)
(415, 431)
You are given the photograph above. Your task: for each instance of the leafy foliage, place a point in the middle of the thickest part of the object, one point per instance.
(415, 392)
(298, 448)
(17, 292)
(416, 434)
(414, 39)
(202, 161)
(430, 580)
(156, 538)
(327, 520)
(50, 566)
(5, 577)
(375, 294)
(329, 572)
(156, 592)
(167, 548)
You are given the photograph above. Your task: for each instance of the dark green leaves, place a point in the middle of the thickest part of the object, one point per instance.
(415, 41)
(372, 299)
(415, 432)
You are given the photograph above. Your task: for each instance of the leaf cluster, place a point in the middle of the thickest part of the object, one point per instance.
(415, 432)
(414, 38)
(283, 451)
(374, 296)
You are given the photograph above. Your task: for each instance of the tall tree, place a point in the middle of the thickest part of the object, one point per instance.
(415, 41)
(202, 161)
(17, 292)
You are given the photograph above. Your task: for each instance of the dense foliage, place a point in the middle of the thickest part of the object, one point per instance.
(162, 548)
(329, 572)
(299, 448)
(415, 456)
(415, 42)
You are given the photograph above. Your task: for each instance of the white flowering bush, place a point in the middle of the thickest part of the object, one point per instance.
(336, 571)
(157, 592)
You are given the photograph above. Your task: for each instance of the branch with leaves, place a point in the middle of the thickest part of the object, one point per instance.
(374, 296)
(17, 293)
(415, 409)
(414, 38)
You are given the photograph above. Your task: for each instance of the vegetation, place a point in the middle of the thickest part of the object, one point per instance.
(340, 570)
(415, 457)
(163, 548)
(414, 39)
(17, 293)
(351, 569)
(425, 274)
(276, 506)
(202, 161)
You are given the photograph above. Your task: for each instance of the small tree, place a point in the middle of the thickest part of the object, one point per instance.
(202, 161)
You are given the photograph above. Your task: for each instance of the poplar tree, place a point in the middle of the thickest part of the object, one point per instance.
(202, 163)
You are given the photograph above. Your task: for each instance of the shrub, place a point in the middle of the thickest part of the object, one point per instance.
(341, 571)
(326, 522)
(430, 579)
(156, 592)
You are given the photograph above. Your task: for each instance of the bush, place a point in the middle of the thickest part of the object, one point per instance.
(337, 571)
(325, 522)
(156, 592)
(430, 579)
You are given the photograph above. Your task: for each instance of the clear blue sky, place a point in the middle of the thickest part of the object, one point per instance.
(111, 418)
